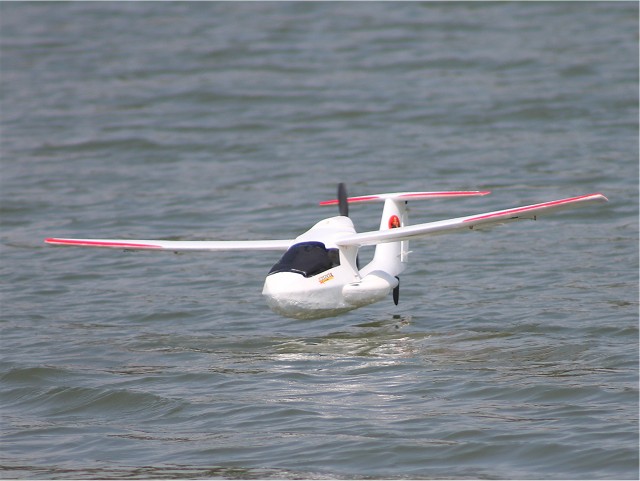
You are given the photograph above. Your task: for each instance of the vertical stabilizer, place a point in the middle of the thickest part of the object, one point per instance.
(390, 257)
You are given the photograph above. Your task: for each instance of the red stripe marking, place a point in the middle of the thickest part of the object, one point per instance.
(531, 207)
(350, 199)
(99, 244)
(443, 194)
(413, 194)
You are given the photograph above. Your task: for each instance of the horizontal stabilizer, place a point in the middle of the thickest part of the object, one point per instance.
(176, 246)
(490, 218)
(408, 196)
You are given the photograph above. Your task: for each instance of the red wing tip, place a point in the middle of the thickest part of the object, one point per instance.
(595, 196)
(52, 240)
(90, 243)
(601, 196)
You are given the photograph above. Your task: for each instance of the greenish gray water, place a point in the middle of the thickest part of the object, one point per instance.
(513, 352)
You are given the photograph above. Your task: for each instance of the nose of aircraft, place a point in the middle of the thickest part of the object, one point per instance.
(281, 284)
(299, 297)
(284, 293)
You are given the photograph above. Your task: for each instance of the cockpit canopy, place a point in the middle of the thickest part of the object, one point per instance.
(307, 259)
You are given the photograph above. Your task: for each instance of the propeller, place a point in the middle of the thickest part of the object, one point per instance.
(343, 203)
(343, 208)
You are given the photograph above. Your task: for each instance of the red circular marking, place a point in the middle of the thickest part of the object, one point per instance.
(394, 222)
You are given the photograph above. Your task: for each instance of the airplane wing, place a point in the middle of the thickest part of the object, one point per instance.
(490, 218)
(175, 246)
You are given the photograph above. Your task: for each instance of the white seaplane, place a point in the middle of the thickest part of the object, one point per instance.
(319, 276)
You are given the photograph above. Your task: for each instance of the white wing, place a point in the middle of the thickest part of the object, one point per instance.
(176, 246)
(449, 225)
(364, 238)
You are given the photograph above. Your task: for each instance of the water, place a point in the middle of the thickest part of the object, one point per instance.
(513, 352)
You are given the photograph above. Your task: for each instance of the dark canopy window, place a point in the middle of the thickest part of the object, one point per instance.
(308, 259)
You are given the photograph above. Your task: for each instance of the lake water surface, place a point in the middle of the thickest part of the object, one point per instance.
(513, 352)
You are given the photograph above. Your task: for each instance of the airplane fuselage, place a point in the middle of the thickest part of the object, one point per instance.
(316, 278)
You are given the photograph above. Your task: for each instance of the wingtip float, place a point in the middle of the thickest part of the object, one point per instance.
(319, 275)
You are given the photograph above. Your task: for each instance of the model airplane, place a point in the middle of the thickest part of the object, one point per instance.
(319, 276)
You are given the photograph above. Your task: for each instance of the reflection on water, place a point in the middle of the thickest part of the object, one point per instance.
(377, 339)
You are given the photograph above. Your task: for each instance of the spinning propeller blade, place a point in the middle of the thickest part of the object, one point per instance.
(343, 203)
(343, 208)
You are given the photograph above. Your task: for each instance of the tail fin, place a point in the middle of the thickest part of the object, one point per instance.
(392, 256)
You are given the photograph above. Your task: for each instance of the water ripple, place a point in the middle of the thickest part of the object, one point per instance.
(513, 353)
